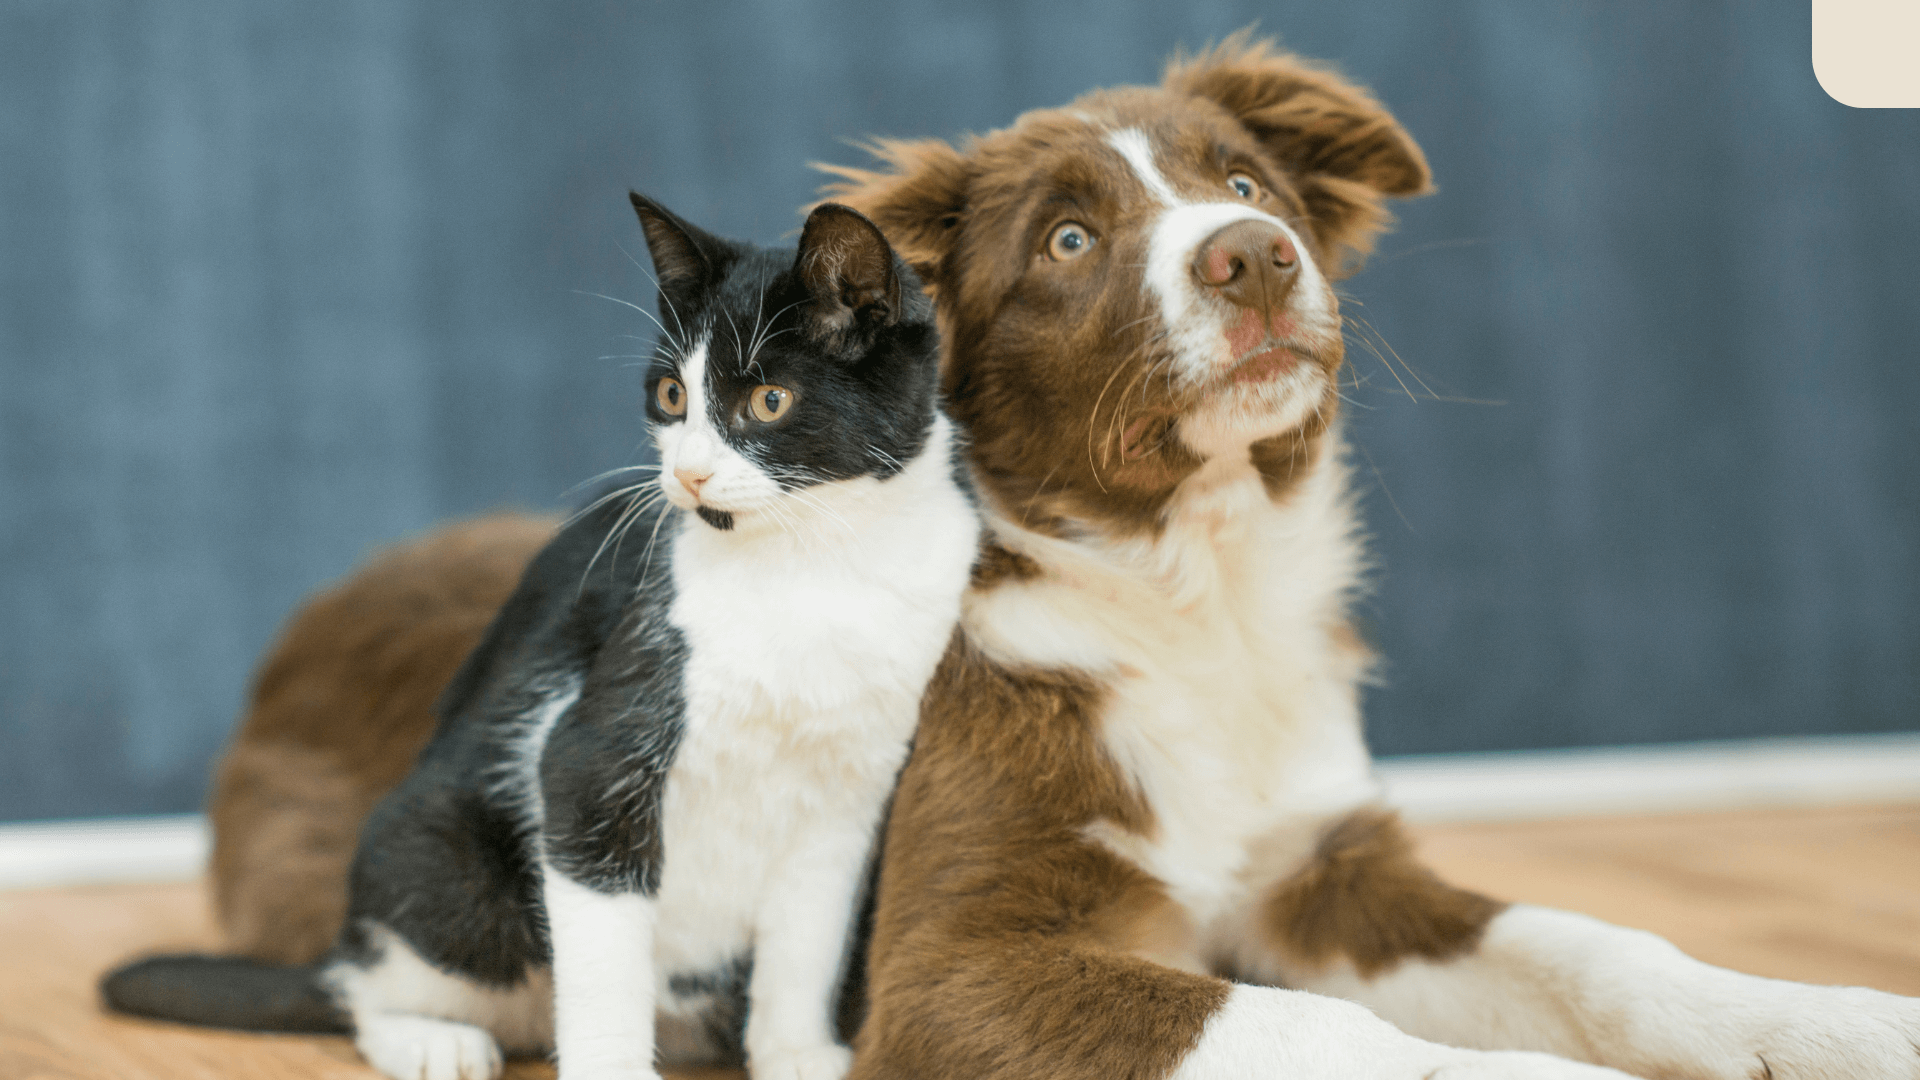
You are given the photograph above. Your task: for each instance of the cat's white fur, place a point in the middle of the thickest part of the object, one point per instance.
(413, 1021)
(812, 628)
(1234, 712)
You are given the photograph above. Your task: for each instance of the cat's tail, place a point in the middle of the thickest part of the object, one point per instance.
(228, 992)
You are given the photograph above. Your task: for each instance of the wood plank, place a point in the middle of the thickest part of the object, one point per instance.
(1824, 896)
(1828, 896)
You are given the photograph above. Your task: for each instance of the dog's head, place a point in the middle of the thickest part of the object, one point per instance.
(1140, 282)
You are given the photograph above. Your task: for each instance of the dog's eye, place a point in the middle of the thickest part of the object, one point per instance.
(1244, 186)
(672, 396)
(1068, 240)
(769, 403)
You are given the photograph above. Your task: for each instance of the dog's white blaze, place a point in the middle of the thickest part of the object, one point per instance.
(1196, 326)
(1134, 145)
(603, 978)
(1227, 704)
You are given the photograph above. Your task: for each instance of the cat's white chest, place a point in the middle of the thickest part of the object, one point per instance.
(803, 677)
(784, 630)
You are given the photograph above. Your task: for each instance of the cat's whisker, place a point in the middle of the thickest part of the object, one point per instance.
(610, 472)
(671, 310)
(764, 331)
(646, 560)
(619, 527)
(629, 490)
(650, 316)
(733, 329)
(626, 524)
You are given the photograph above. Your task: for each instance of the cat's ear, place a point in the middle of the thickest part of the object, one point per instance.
(846, 266)
(684, 257)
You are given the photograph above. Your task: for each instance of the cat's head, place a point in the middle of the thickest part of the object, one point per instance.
(782, 370)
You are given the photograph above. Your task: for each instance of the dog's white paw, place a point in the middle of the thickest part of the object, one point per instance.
(424, 1048)
(826, 1062)
(1762, 1029)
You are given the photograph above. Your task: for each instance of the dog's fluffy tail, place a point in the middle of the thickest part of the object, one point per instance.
(227, 992)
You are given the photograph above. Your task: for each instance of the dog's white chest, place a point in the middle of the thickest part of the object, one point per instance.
(1242, 754)
(1228, 702)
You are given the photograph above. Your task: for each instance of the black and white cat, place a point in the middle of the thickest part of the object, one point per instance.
(645, 822)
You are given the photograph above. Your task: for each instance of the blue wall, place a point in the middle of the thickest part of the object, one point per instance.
(284, 281)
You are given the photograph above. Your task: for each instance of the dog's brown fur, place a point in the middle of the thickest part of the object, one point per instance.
(340, 708)
(1365, 899)
(1003, 943)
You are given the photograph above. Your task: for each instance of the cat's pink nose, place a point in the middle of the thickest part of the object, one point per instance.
(691, 479)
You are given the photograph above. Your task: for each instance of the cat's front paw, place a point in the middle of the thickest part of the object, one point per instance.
(1763, 1029)
(828, 1062)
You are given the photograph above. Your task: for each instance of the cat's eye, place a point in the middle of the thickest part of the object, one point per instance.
(1244, 186)
(769, 403)
(672, 396)
(1068, 240)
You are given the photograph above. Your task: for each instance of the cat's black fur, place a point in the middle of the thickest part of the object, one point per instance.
(446, 861)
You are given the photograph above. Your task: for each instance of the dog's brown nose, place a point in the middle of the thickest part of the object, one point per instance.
(1251, 263)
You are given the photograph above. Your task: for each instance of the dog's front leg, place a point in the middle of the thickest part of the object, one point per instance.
(1564, 983)
(1365, 922)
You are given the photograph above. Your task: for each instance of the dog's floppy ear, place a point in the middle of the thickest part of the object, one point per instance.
(918, 200)
(1345, 151)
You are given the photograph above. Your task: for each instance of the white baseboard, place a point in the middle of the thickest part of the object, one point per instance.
(172, 848)
(1438, 788)
(1672, 778)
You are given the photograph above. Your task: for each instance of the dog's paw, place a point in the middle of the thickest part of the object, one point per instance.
(425, 1048)
(826, 1062)
(1763, 1029)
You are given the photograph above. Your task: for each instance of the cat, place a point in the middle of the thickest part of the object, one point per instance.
(652, 803)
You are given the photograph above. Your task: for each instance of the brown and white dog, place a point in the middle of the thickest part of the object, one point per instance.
(1139, 834)
(1139, 803)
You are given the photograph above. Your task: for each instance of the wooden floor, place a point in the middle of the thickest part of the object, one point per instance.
(1830, 896)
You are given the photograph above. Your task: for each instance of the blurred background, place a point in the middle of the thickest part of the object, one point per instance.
(281, 283)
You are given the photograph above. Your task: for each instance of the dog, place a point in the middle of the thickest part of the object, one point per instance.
(1139, 834)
